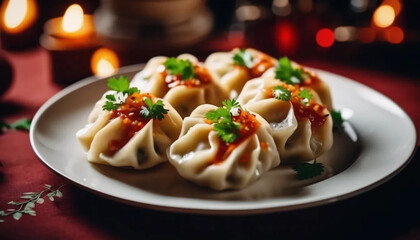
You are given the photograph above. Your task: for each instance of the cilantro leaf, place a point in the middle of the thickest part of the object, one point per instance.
(337, 120)
(110, 106)
(306, 96)
(120, 85)
(243, 58)
(308, 170)
(180, 67)
(111, 97)
(155, 111)
(21, 124)
(281, 93)
(286, 73)
(226, 129)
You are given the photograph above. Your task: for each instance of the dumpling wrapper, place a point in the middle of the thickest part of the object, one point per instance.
(229, 75)
(184, 99)
(296, 141)
(192, 154)
(147, 148)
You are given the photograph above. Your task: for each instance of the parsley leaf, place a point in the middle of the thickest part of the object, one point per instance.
(122, 88)
(21, 124)
(306, 96)
(243, 58)
(337, 120)
(308, 170)
(286, 73)
(281, 93)
(226, 129)
(155, 111)
(180, 67)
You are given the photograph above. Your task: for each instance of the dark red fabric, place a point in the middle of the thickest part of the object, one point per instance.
(388, 211)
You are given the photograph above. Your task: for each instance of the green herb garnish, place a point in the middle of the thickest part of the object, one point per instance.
(180, 67)
(123, 90)
(30, 199)
(243, 58)
(21, 124)
(281, 93)
(308, 170)
(337, 120)
(226, 129)
(286, 73)
(155, 111)
(306, 97)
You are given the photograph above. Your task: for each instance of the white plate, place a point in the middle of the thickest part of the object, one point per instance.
(386, 139)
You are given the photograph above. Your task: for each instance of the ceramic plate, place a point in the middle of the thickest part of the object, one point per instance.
(377, 141)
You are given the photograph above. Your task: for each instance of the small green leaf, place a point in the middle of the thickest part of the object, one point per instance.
(111, 97)
(243, 58)
(2, 213)
(26, 197)
(308, 170)
(40, 201)
(155, 111)
(180, 67)
(51, 198)
(22, 124)
(281, 93)
(13, 203)
(17, 215)
(30, 205)
(58, 193)
(47, 186)
(306, 96)
(120, 85)
(110, 106)
(286, 73)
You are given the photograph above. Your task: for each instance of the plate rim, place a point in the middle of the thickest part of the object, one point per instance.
(212, 211)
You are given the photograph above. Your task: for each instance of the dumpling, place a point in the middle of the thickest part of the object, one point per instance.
(308, 79)
(131, 135)
(213, 158)
(301, 125)
(183, 81)
(233, 69)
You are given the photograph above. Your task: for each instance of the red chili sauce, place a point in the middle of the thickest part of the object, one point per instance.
(202, 77)
(261, 63)
(249, 126)
(133, 121)
(312, 78)
(313, 112)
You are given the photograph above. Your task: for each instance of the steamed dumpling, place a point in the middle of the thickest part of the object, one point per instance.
(232, 76)
(201, 156)
(183, 94)
(125, 138)
(302, 130)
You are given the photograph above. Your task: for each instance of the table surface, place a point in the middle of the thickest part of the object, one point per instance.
(388, 211)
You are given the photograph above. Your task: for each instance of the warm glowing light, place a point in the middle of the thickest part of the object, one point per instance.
(394, 35)
(367, 35)
(384, 16)
(325, 37)
(345, 33)
(15, 13)
(104, 62)
(286, 38)
(18, 15)
(73, 18)
(281, 7)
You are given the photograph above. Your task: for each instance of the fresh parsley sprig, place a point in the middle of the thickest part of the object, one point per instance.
(306, 97)
(308, 170)
(28, 205)
(243, 58)
(281, 93)
(286, 73)
(180, 67)
(21, 124)
(226, 129)
(155, 111)
(123, 90)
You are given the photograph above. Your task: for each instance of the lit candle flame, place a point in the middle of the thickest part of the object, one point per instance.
(104, 62)
(73, 18)
(15, 13)
(18, 15)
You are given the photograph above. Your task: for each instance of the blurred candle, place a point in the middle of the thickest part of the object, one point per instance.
(20, 27)
(71, 41)
(104, 62)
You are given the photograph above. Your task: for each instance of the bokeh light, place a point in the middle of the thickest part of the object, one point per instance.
(384, 16)
(325, 37)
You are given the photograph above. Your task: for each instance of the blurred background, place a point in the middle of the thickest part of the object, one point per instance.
(380, 35)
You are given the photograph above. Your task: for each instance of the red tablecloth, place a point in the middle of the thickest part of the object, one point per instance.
(388, 211)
